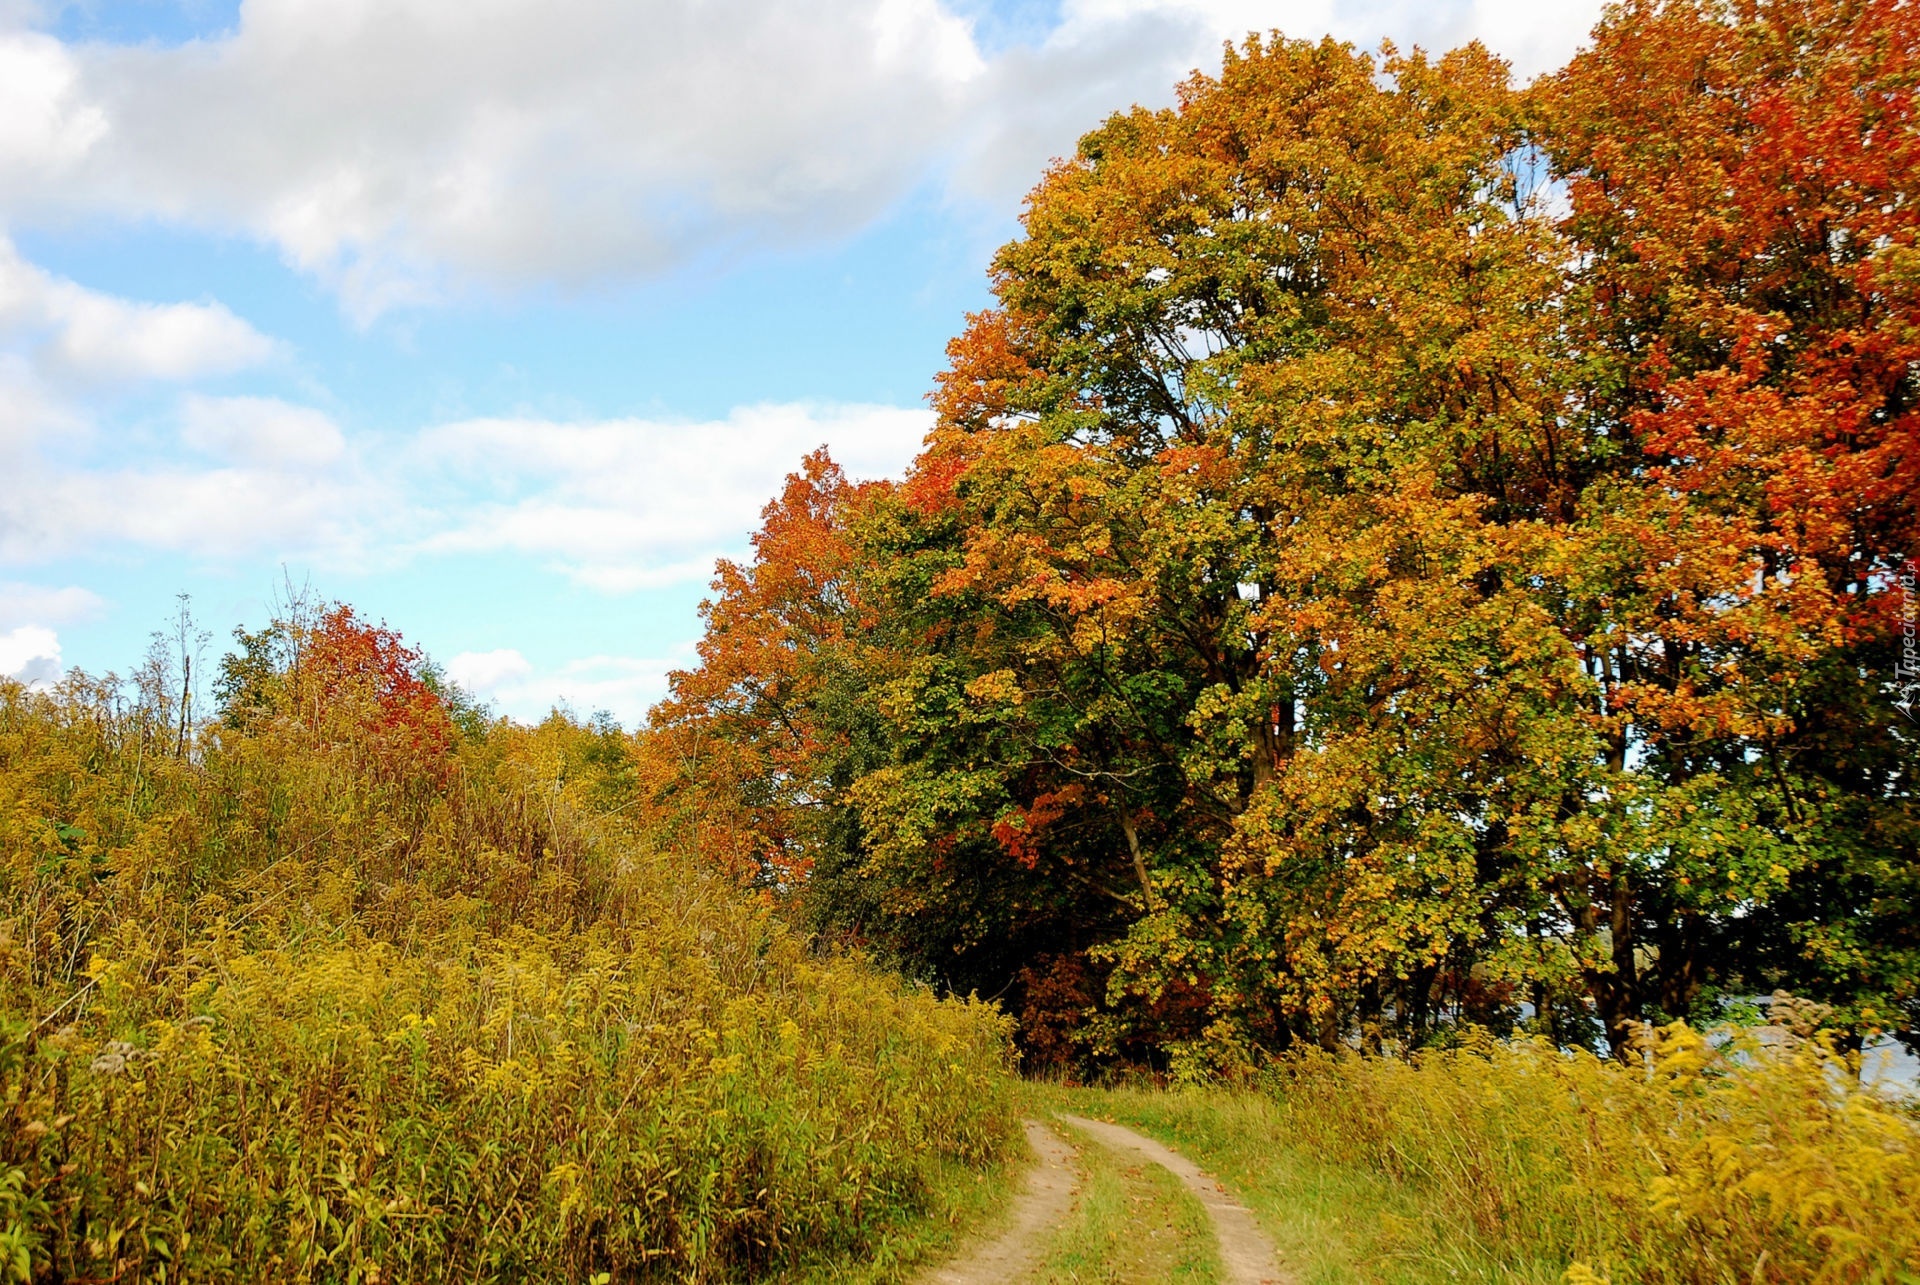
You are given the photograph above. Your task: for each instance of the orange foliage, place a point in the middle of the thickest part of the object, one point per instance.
(735, 747)
(368, 670)
(1346, 585)
(1744, 172)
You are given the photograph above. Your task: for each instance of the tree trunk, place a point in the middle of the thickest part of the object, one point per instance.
(1273, 741)
(1139, 859)
(1617, 994)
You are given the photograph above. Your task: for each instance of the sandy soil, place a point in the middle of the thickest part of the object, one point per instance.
(1245, 1251)
(1041, 1207)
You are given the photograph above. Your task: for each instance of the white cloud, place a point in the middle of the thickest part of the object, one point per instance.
(30, 411)
(395, 150)
(70, 330)
(381, 146)
(1107, 54)
(220, 512)
(262, 431)
(280, 476)
(29, 647)
(45, 123)
(30, 654)
(625, 504)
(282, 483)
(1533, 36)
(23, 604)
(625, 686)
(485, 672)
(617, 505)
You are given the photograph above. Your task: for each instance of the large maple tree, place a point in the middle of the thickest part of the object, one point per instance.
(1401, 548)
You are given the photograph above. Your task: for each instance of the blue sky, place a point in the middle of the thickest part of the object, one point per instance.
(501, 319)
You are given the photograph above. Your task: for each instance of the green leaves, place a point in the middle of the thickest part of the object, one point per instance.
(1344, 591)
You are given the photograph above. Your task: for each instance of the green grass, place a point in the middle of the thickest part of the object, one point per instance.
(963, 1204)
(1132, 1221)
(1333, 1224)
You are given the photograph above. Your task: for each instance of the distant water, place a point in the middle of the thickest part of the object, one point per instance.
(1885, 1063)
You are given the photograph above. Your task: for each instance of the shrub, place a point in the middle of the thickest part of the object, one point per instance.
(339, 989)
(1708, 1160)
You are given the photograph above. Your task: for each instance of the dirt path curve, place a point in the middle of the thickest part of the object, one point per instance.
(1050, 1187)
(1245, 1252)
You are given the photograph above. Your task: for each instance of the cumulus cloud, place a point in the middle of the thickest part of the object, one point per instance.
(47, 123)
(382, 145)
(1105, 54)
(261, 431)
(30, 654)
(69, 330)
(485, 672)
(280, 481)
(633, 503)
(395, 150)
(23, 604)
(218, 512)
(1533, 37)
(617, 505)
(273, 475)
(29, 647)
(624, 686)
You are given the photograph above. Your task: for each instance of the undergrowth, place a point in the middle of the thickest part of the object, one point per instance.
(342, 988)
(1722, 1161)
(1702, 1161)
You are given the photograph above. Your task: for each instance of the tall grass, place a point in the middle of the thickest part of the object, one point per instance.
(334, 991)
(1705, 1162)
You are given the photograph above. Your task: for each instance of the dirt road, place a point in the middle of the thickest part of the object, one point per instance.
(1040, 1208)
(1246, 1254)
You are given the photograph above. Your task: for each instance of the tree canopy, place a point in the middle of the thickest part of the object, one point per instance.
(1402, 548)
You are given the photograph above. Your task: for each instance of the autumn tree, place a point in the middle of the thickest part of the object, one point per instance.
(1399, 547)
(1740, 176)
(747, 754)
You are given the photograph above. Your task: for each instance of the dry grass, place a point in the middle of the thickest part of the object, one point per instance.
(323, 1000)
(1703, 1164)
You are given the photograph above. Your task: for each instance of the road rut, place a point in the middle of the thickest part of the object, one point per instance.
(1246, 1254)
(1041, 1207)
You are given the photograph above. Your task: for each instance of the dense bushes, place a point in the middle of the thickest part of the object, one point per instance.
(333, 990)
(1700, 1162)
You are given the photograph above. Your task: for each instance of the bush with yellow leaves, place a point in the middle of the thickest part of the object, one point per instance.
(1705, 1159)
(314, 995)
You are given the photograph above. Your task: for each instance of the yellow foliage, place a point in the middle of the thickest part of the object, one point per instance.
(271, 1011)
(1708, 1159)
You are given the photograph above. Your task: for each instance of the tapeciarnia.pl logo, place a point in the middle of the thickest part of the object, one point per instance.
(1906, 667)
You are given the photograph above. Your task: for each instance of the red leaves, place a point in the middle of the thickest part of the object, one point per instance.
(1020, 831)
(362, 681)
(1745, 184)
(738, 746)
